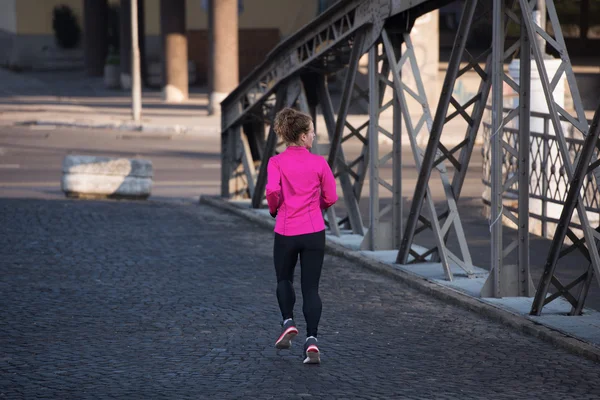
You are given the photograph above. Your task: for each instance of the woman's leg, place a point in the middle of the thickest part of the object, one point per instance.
(285, 256)
(311, 260)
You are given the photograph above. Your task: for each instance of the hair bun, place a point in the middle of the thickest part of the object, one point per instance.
(289, 124)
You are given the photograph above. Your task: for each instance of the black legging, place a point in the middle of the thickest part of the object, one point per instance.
(311, 248)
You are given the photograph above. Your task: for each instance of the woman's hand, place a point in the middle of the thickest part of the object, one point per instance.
(273, 214)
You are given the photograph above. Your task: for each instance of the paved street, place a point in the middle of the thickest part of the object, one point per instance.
(163, 300)
(31, 159)
(170, 299)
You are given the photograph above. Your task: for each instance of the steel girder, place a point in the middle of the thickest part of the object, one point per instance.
(506, 278)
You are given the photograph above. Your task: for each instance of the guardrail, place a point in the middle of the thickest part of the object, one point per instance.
(548, 181)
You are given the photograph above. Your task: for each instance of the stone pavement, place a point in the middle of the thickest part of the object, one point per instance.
(579, 334)
(106, 299)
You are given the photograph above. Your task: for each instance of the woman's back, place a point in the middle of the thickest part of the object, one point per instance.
(300, 184)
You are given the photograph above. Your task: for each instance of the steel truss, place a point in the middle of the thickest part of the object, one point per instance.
(506, 278)
(436, 154)
(335, 127)
(296, 75)
(586, 166)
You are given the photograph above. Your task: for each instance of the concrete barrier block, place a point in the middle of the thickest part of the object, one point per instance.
(94, 177)
(94, 165)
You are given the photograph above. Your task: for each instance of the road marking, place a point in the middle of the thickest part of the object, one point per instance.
(28, 184)
(42, 127)
(186, 183)
(156, 183)
(211, 166)
(10, 166)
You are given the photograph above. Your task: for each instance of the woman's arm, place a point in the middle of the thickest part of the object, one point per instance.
(273, 188)
(328, 189)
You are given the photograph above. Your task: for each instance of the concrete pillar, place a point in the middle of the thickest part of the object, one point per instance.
(223, 42)
(175, 57)
(95, 15)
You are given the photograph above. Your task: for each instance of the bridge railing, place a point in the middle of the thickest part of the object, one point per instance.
(548, 181)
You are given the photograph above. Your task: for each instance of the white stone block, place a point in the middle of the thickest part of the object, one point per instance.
(92, 176)
(94, 165)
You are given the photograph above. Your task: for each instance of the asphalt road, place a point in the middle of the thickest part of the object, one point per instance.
(30, 160)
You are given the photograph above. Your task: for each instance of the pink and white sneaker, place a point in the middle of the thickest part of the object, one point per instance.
(311, 351)
(289, 332)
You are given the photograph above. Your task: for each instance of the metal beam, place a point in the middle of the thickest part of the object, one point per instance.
(573, 199)
(587, 244)
(373, 148)
(524, 283)
(350, 200)
(399, 88)
(436, 131)
(357, 51)
(261, 180)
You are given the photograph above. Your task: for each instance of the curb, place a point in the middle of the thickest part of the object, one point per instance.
(449, 139)
(515, 321)
(140, 127)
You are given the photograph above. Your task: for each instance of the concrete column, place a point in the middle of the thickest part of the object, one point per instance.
(175, 57)
(95, 15)
(223, 42)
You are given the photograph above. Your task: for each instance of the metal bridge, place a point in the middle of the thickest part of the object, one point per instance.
(296, 74)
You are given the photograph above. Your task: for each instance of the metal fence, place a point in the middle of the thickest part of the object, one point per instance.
(548, 181)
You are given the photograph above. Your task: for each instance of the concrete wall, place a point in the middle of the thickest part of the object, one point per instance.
(28, 38)
(34, 17)
(8, 16)
(286, 15)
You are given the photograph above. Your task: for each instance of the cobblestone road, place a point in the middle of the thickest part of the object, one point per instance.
(156, 300)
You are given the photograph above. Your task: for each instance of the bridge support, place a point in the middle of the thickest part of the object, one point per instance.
(335, 42)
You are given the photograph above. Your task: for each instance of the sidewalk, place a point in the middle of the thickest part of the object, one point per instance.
(72, 99)
(580, 335)
(69, 98)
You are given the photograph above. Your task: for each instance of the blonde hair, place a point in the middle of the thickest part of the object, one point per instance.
(291, 124)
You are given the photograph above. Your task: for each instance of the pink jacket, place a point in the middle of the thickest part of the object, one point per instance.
(299, 185)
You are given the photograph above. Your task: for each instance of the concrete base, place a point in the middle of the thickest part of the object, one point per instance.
(126, 81)
(92, 177)
(214, 102)
(172, 94)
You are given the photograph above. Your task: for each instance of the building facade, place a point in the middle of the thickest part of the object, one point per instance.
(27, 38)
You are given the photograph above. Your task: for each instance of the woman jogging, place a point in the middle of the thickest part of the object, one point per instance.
(299, 186)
